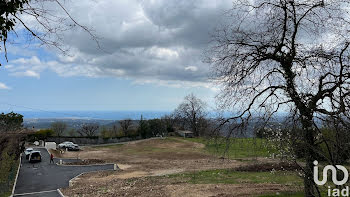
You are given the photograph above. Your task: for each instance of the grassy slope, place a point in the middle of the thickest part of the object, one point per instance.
(241, 148)
(227, 176)
(236, 147)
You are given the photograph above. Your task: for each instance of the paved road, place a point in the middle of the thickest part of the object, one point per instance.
(43, 176)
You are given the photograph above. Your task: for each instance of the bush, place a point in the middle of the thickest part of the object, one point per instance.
(332, 144)
(132, 133)
(105, 133)
(8, 166)
(10, 148)
(338, 147)
(42, 134)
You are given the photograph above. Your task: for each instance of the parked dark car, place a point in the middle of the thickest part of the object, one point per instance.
(35, 156)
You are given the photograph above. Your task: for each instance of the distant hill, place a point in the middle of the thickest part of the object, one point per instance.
(100, 115)
(43, 123)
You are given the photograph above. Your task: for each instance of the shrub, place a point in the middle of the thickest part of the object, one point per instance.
(42, 134)
(105, 133)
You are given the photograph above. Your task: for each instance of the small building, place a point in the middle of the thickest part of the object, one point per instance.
(185, 133)
(50, 145)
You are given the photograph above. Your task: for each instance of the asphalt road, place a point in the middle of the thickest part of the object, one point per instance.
(43, 176)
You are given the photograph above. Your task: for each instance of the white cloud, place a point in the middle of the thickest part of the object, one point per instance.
(140, 40)
(27, 73)
(191, 68)
(4, 86)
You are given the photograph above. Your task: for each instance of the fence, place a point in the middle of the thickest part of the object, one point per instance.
(91, 140)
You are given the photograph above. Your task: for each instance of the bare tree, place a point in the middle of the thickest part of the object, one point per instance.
(115, 130)
(285, 55)
(125, 124)
(58, 128)
(191, 112)
(45, 27)
(88, 130)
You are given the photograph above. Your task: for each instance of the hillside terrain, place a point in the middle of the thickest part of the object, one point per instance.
(178, 167)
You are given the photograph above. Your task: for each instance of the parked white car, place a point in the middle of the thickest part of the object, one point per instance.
(69, 146)
(27, 152)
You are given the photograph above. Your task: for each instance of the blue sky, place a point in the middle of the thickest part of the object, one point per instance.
(151, 57)
(53, 92)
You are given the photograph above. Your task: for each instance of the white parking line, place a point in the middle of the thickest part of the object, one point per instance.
(35, 193)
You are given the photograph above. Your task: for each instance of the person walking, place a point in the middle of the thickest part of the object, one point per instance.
(51, 158)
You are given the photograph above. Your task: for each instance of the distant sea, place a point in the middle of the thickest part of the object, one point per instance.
(103, 115)
(109, 115)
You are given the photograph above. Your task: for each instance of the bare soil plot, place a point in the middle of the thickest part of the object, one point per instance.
(146, 164)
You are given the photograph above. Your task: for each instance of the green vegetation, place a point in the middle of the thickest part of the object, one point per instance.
(239, 148)
(229, 176)
(236, 147)
(42, 134)
(10, 122)
(11, 145)
(8, 166)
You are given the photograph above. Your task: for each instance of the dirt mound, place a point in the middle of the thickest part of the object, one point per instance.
(266, 167)
(86, 162)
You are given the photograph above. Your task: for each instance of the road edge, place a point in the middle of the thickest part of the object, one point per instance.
(61, 194)
(99, 164)
(14, 184)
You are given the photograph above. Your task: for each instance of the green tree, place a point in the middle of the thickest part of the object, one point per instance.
(157, 127)
(10, 122)
(143, 128)
(105, 132)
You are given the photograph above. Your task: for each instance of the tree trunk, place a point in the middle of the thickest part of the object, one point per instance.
(309, 185)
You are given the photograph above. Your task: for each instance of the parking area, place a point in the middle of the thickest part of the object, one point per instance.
(43, 178)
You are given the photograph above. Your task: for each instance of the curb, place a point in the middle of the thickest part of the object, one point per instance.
(70, 182)
(14, 184)
(60, 193)
(102, 164)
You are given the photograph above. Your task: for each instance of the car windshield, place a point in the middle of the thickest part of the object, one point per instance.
(29, 149)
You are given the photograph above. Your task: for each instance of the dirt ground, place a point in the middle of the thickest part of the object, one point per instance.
(154, 186)
(143, 165)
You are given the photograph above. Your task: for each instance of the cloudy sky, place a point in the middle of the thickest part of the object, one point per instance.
(150, 57)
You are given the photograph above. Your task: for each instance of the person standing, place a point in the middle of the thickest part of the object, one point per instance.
(51, 158)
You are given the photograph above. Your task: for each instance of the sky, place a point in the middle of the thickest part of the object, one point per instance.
(150, 56)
